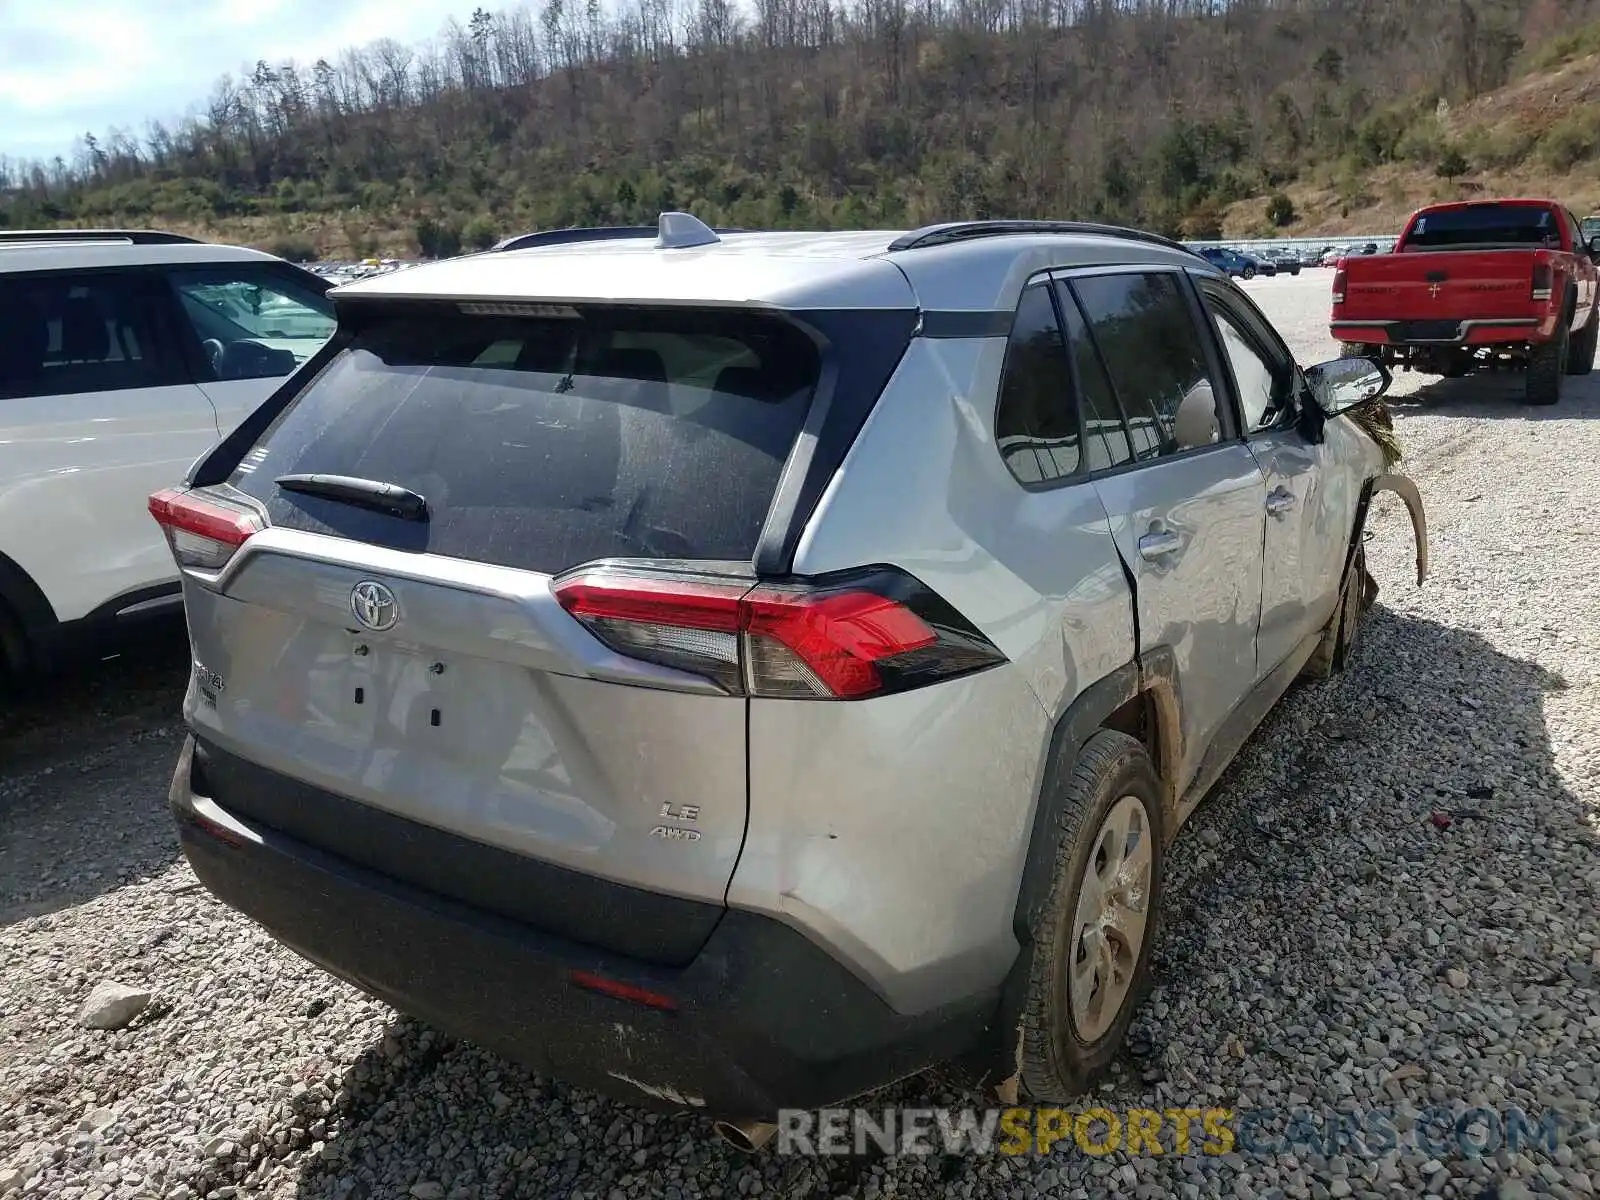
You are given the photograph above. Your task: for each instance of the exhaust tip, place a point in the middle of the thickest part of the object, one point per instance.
(745, 1136)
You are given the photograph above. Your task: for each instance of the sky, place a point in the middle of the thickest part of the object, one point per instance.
(71, 66)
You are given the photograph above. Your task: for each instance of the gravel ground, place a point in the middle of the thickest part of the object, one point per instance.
(1389, 901)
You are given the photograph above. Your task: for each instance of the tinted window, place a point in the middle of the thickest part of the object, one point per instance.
(1152, 350)
(1485, 225)
(545, 443)
(1104, 438)
(1035, 425)
(61, 334)
(252, 323)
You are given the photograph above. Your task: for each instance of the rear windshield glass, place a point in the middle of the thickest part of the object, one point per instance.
(546, 442)
(1485, 225)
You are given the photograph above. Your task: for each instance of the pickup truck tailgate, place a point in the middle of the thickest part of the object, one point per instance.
(1447, 286)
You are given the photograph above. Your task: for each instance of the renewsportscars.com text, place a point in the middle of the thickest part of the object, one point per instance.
(1261, 1132)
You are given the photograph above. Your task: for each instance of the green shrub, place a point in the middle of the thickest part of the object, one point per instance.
(1452, 164)
(438, 239)
(1570, 141)
(1280, 210)
(480, 232)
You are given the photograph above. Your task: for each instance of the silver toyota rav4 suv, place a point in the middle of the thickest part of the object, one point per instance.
(735, 671)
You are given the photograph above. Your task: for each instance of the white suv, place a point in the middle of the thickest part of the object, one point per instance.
(124, 356)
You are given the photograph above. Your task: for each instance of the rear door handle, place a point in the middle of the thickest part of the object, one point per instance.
(1279, 501)
(1158, 543)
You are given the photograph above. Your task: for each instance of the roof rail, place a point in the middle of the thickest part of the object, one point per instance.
(136, 237)
(959, 231)
(591, 233)
(561, 237)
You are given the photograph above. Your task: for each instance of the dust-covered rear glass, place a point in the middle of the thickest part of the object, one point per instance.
(542, 442)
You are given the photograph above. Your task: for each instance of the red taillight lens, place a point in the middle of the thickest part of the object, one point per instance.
(842, 639)
(203, 531)
(1541, 281)
(689, 625)
(806, 645)
(1338, 286)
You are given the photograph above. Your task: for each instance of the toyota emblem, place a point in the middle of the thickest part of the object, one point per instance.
(374, 605)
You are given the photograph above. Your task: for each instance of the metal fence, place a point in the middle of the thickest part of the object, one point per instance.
(1384, 241)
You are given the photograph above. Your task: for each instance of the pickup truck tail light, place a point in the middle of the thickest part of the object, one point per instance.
(1541, 281)
(877, 632)
(1338, 286)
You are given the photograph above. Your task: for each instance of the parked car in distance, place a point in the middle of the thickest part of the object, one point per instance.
(1284, 262)
(646, 764)
(1236, 263)
(1477, 285)
(124, 356)
(1590, 228)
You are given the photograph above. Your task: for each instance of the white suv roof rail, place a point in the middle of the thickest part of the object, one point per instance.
(131, 237)
(608, 233)
(960, 231)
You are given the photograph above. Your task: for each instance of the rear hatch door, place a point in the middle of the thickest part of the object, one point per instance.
(421, 668)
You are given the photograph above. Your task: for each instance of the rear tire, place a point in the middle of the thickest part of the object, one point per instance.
(1580, 355)
(1546, 365)
(1087, 978)
(1353, 350)
(1248, 273)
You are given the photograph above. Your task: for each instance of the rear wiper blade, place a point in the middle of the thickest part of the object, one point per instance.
(383, 497)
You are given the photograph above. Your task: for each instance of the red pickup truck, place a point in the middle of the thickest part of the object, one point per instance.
(1480, 285)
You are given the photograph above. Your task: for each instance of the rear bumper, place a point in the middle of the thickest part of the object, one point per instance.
(1470, 332)
(763, 1019)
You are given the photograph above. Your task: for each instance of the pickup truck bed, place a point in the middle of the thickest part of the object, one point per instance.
(1505, 284)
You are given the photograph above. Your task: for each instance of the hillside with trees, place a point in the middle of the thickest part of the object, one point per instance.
(1192, 117)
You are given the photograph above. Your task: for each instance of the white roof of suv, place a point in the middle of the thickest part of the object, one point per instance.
(966, 266)
(87, 249)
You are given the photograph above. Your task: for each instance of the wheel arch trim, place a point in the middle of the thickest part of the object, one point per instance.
(1153, 675)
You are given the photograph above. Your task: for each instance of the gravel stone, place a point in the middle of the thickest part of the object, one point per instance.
(1316, 919)
(112, 1005)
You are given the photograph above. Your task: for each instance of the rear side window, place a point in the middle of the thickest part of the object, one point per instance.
(546, 442)
(1104, 438)
(1485, 226)
(1151, 347)
(1035, 425)
(64, 334)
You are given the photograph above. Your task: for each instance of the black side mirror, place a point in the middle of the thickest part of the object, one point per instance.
(1594, 247)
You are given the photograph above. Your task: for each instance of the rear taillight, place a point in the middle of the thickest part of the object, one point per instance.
(843, 638)
(203, 531)
(1338, 286)
(1541, 281)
